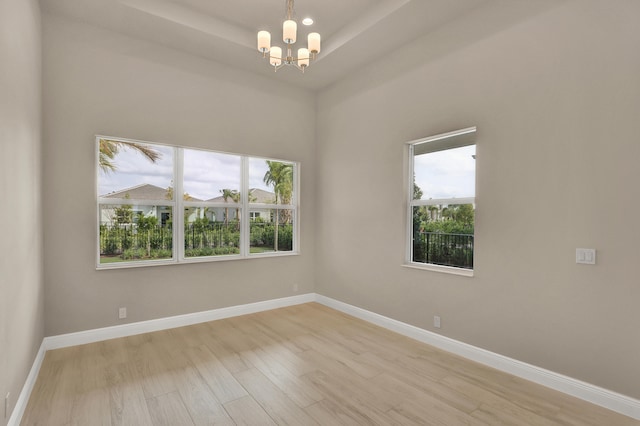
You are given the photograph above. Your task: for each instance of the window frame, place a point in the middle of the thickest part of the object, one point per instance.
(440, 142)
(178, 204)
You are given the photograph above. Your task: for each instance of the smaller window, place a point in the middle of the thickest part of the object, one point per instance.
(441, 208)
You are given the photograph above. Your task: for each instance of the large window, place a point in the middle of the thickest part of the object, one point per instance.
(160, 204)
(441, 205)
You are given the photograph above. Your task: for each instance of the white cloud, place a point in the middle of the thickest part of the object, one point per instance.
(206, 172)
(446, 174)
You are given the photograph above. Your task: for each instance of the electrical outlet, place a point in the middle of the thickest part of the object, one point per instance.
(122, 313)
(586, 256)
(6, 404)
(436, 321)
(295, 288)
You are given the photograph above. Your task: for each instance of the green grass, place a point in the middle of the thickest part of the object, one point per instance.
(264, 250)
(261, 249)
(110, 259)
(117, 259)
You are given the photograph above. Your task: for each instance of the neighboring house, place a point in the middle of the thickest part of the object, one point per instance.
(145, 191)
(109, 215)
(256, 195)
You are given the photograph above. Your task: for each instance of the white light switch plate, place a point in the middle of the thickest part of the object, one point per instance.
(586, 256)
(436, 321)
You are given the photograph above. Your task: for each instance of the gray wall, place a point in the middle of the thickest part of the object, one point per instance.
(21, 289)
(556, 98)
(97, 82)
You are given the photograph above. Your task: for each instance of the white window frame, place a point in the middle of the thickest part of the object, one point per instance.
(440, 142)
(178, 204)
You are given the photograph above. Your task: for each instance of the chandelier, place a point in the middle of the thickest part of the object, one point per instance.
(289, 30)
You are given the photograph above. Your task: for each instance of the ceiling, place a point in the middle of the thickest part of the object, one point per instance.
(354, 32)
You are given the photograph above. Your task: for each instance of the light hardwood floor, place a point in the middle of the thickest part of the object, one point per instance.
(301, 365)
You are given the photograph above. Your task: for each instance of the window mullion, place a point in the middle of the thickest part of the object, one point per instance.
(245, 226)
(443, 201)
(178, 203)
(409, 217)
(296, 213)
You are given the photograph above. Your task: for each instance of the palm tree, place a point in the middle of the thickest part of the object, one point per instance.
(146, 224)
(280, 176)
(226, 194)
(451, 211)
(433, 212)
(235, 196)
(417, 192)
(109, 149)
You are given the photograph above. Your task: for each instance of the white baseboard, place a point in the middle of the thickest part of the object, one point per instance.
(594, 394)
(585, 391)
(99, 334)
(23, 398)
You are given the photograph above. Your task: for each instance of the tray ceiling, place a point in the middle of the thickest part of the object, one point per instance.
(354, 32)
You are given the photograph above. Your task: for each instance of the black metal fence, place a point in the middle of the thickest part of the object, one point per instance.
(128, 241)
(211, 236)
(444, 249)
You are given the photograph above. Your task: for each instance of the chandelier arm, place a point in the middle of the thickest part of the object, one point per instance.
(293, 63)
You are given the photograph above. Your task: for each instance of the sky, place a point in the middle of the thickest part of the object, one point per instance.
(442, 174)
(206, 172)
(446, 174)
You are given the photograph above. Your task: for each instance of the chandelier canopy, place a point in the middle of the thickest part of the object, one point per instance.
(289, 33)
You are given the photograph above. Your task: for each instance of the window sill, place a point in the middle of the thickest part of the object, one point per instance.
(221, 258)
(440, 268)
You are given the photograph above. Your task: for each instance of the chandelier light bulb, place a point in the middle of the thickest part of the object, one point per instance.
(264, 41)
(289, 29)
(303, 57)
(313, 41)
(275, 58)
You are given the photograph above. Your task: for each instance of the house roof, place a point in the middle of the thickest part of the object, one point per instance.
(256, 195)
(143, 191)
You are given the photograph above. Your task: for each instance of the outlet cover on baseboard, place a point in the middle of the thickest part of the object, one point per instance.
(122, 313)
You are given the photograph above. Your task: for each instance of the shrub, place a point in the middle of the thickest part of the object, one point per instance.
(132, 254)
(211, 251)
(109, 241)
(285, 237)
(161, 254)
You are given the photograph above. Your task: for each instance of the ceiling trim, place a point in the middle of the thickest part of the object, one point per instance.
(195, 20)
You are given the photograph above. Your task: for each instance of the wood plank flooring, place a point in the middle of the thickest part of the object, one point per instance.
(301, 365)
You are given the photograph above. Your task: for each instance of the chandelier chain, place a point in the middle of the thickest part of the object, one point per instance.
(289, 9)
